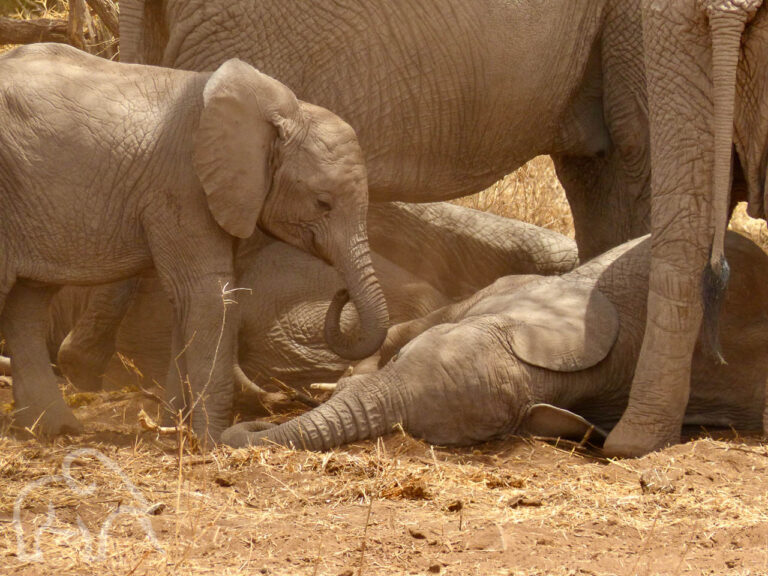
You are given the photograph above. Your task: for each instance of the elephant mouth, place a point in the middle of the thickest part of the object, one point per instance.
(315, 246)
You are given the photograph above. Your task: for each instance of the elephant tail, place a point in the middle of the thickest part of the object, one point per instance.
(727, 21)
(716, 276)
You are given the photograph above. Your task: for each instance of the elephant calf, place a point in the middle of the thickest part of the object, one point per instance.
(542, 355)
(108, 169)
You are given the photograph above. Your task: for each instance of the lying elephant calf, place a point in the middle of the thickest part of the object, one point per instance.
(549, 356)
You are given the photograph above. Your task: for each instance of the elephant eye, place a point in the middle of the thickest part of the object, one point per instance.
(323, 205)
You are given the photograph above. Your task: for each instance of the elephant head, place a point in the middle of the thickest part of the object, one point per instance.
(523, 353)
(466, 382)
(264, 157)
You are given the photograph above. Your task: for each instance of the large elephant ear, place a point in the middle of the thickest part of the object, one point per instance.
(244, 113)
(561, 325)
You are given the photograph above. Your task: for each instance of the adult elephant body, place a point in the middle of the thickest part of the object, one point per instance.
(542, 355)
(446, 96)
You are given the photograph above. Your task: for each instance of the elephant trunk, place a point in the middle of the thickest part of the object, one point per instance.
(363, 289)
(727, 26)
(359, 411)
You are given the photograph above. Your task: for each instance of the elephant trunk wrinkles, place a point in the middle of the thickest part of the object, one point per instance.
(727, 27)
(366, 294)
(359, 412)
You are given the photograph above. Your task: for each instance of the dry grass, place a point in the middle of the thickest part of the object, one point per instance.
(396, 506)
(753, 228)
(531, 194)
(534, 194)
(98, 40)
(28, 9)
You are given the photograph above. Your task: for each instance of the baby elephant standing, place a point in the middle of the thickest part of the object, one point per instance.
(107, 169)
(541, 355)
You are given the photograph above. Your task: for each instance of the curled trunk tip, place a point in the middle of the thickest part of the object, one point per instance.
(366, 340)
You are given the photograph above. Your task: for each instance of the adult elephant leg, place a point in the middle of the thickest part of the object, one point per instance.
(688, 169)
(610, 195)
(85, 352)
(608, 209)
(39, 404)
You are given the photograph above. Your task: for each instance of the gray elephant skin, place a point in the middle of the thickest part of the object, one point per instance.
(549, 356)
(704, 94)
(446, 96)
(425, 255)
(107, 169)
(455, 94)
(442, 109)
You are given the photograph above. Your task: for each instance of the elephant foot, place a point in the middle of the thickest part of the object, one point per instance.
(82, 371)
(54, 420)
(632, 438)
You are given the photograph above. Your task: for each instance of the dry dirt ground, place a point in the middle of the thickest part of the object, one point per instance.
(519, 506)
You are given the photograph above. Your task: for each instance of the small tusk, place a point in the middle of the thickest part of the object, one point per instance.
(246, 384)
(5, 366)
(289, 395)
(326, 386)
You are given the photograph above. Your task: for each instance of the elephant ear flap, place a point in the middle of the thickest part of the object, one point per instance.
(562, 325)
(246, 115)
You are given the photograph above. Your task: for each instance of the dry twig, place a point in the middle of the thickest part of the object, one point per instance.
(30, 31)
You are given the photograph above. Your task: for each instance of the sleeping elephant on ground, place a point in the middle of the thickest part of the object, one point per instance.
(107, 169)
(548, 356)
(286, 292)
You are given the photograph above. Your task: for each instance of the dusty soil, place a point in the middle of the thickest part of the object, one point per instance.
(397, 506)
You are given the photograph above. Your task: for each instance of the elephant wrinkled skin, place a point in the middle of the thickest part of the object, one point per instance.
(446, 97)
(285, 292)
(107, 169)
(456, 94)
(549, 356)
